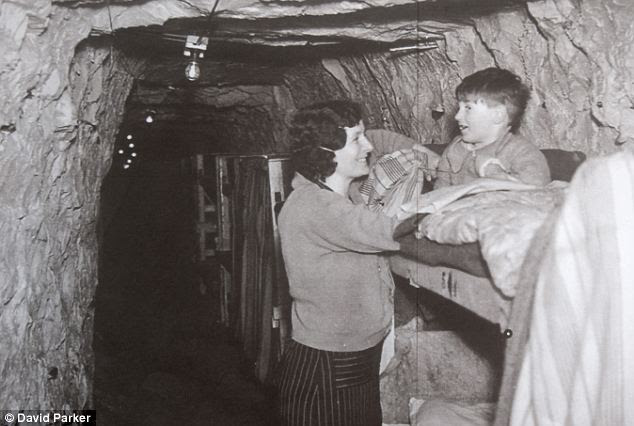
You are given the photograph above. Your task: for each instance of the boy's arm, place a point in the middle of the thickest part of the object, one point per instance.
(529, 165)
(443, 178)
(444, 170)
(520, 162)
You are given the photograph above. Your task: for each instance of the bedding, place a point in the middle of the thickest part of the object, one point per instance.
(438, 199)
(439, 412)
(484, 228)
(467, 255)
(503, 222)
(396, 178)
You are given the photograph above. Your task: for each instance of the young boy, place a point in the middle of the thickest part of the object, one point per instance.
(491, 104)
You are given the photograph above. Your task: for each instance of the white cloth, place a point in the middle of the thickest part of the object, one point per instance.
(578, 366)
(436, 200)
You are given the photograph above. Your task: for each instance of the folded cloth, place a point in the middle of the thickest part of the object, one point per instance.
(386, 142)
(395, 179)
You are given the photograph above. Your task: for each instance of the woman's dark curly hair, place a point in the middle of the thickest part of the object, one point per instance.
(321, 124)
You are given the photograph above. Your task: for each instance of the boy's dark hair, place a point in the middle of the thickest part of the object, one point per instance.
(501, 86)
(321, 125)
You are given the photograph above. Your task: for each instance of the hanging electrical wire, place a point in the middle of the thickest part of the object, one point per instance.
(211, 14)
(119, 58)
(193, 69)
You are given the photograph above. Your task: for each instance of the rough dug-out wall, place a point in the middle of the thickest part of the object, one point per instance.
(405, 93)
(578, 56)
(57, 126)
(590, 47)
(58, 118)
(409, 94)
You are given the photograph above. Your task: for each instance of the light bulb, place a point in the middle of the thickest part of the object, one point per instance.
(126, 166)
(120, 151)
(192, 71)
(133, 154)
(129, 137)
(131, 145)
(128, 160)
(149, 116)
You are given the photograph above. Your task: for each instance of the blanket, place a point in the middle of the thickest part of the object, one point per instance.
(397, 178)
(434, 201)
(503, 222)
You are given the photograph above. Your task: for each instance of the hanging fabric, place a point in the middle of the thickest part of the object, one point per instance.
(255, 291)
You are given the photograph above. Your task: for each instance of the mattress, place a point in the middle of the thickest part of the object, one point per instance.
(475, 293)
(455, 272)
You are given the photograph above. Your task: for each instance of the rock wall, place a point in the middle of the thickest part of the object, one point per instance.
(577, 56)
(560, 74)
(409, 94)
(590, 50)
(59, 113)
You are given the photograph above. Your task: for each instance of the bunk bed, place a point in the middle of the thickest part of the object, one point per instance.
(459, 273)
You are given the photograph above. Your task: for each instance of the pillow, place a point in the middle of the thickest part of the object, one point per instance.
(438, 412)
(563, 164)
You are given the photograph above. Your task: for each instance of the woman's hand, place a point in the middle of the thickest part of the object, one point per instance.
(429, 160)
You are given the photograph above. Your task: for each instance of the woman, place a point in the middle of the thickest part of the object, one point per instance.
(341, 288)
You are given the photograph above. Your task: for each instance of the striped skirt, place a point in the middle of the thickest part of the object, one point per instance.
(322, 388)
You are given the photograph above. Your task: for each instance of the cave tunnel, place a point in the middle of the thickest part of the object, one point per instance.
(105, 301)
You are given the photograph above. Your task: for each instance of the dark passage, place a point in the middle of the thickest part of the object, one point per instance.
(161, 355)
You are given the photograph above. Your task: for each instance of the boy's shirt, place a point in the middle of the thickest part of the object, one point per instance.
(520, 159)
